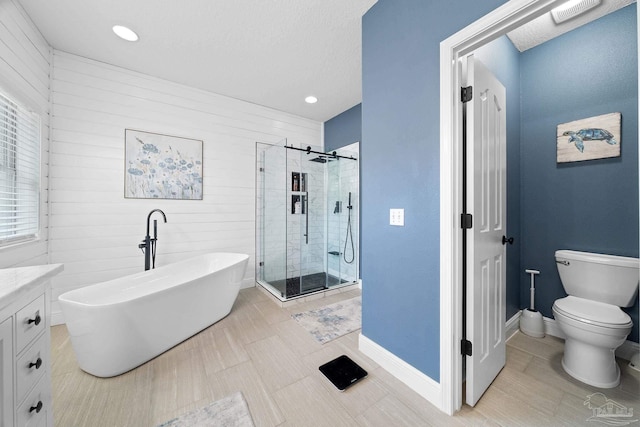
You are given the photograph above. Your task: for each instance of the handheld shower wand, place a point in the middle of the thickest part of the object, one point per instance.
(349, 236)
(153, 243)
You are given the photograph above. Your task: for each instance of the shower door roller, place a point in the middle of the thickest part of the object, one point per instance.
(505, 240)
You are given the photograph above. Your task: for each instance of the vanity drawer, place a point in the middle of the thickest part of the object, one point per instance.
(30, 321)
(33, 411)
(30, 367)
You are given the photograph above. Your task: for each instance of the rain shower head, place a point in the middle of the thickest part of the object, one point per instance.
(322, 159)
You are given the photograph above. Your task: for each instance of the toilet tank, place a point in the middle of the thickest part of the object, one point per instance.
(606, 278)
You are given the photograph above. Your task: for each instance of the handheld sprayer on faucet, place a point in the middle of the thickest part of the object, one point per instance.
(148, 245)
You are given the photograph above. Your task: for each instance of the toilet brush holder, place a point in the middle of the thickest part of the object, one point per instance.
(532, 323)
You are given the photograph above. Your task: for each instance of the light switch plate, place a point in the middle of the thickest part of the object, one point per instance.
(396, 217)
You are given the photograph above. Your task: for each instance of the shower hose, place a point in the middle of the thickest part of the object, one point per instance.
(349, 237)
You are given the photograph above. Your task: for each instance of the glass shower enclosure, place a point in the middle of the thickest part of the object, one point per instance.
(306, 218)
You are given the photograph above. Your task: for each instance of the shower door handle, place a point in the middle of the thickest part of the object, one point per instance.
(305, 206)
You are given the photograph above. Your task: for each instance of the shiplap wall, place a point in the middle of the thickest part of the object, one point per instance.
(94, 230)
(25, 59)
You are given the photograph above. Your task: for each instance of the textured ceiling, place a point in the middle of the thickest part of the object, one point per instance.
(268, 52)
(544, 28)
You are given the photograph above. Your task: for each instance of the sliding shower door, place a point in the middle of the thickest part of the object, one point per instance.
(306, 224)
(342, 217)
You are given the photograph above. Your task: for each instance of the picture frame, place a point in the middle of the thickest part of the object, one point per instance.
(592, 138)
(159, 166)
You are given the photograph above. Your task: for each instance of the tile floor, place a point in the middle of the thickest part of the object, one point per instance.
(260, 350)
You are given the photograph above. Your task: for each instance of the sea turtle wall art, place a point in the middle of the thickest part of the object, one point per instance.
(588, 139)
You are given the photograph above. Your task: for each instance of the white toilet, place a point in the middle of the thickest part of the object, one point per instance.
(590, 317)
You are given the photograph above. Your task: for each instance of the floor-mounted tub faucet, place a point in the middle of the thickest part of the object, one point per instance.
(148, 245)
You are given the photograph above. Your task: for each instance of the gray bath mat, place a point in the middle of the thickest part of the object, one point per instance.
(232, 411)
(333, 321)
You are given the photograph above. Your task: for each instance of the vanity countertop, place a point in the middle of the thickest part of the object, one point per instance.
(18, 281)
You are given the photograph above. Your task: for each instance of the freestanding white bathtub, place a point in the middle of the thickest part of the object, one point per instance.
(120, 324)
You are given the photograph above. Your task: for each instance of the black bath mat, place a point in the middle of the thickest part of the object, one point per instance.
(343, 372)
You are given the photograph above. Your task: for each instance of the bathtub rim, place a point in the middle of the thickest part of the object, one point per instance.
(68, 297)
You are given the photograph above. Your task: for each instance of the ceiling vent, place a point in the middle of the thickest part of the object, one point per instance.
(572, 9)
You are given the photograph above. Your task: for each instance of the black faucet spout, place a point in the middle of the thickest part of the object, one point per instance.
(149, 218)
(148, 245)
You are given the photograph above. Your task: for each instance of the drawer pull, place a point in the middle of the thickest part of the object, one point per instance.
(35, 320)
(36, 408)
(37, 363)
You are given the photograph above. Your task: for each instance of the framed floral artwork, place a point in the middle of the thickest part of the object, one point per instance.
(161, 166)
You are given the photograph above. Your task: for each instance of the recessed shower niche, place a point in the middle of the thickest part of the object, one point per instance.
(306, 218)
(298, 193)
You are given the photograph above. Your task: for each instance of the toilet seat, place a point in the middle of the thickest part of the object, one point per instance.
(593, 312)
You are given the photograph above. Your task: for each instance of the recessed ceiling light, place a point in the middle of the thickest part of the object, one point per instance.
(311, 100)
(125, 33)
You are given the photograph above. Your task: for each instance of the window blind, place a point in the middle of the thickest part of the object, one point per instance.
(19, 172)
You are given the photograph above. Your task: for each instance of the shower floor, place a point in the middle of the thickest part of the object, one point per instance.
(295, 286)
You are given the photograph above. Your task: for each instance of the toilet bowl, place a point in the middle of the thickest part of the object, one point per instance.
(590, 316)
(594, 331)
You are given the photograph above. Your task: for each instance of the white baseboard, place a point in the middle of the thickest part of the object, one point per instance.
(551, 327)
(57, 318)
(413, 378)
(625, 351)
(513, 325)
(248, 283)
(56, 313)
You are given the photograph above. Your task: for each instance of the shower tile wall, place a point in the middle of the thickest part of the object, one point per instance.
(306, 258)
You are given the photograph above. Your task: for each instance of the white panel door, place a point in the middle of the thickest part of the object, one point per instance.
(486, 254)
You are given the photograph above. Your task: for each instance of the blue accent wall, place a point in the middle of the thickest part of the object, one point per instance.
(400, 168)
(592, 205)
(503, 59)
(343, 129)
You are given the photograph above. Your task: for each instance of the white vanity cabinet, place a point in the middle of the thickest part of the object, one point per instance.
(6, 372)
(25, 346)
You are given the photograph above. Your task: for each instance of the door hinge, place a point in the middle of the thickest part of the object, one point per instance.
(261, 169)
(261, 264)
(466, 221)
(466, 94)
(466, 347)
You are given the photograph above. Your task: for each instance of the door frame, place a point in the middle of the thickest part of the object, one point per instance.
(488, 28)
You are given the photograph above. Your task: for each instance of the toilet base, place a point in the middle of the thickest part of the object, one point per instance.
(591, 365)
